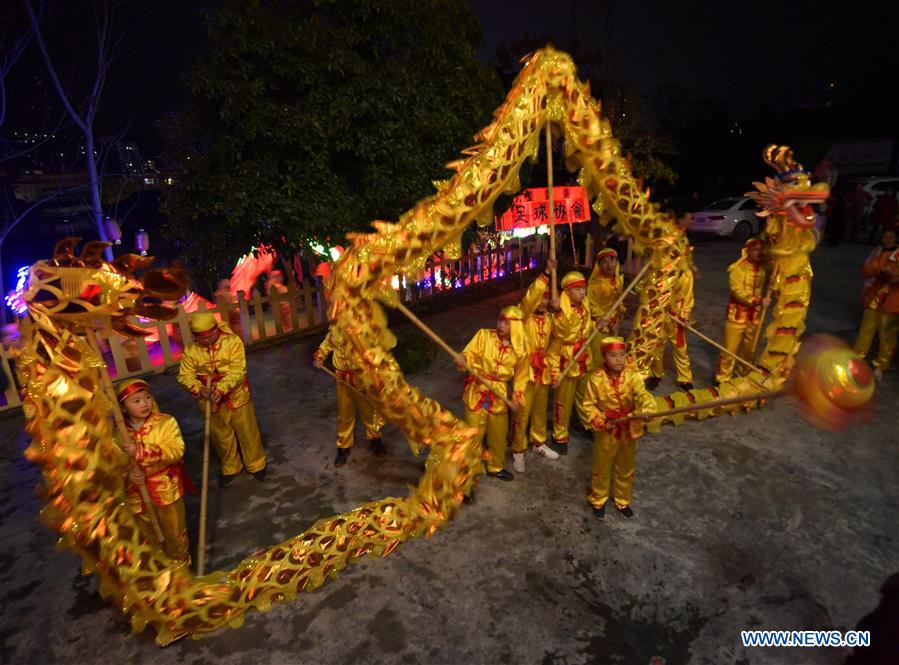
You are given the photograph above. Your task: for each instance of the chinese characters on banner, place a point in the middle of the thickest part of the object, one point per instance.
(531, 208)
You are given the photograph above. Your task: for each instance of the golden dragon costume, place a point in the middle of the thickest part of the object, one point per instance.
(72, 438)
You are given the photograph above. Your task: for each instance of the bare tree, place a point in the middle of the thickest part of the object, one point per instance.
(108, 47)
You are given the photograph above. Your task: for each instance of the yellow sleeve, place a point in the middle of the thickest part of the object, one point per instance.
(187, 370)
(562, 325)
(687, 298)
(232, 349)
(533, 295)
(591, 402)
(644, 402)
(325, 348)
(474, 350)
(163, 446)
(737, 280)
(521, 379)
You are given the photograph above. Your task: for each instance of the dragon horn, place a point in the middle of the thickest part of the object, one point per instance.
(65, 248)
(92, 252)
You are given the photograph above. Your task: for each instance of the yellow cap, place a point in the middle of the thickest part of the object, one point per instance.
(129, 387)
(573, 279)
(612, 344)
(202, 322)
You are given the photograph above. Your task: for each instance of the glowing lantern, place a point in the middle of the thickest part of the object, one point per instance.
(113, 231)
(15, 299)
(142, 242)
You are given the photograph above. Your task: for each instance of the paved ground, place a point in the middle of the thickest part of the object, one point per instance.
(756, 521)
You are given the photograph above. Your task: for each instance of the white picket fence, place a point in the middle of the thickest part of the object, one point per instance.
(298, 310)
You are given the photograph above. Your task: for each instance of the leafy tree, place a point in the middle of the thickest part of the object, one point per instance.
(309, 119)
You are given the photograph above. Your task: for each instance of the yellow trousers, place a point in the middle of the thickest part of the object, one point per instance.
(613, 468)
(496, 427)
(886, 327)
(679, 354)
(237, 428)
(738, 338)
(534, 412)
(563, 402)
(348, 403)
(174, 529)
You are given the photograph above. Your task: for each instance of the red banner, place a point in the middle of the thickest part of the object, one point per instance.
(531, 208)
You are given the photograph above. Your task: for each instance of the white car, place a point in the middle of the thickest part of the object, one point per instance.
(733, 217)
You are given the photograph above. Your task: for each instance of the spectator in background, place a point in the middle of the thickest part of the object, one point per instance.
(856, 204)
(883, 213)
(275, 282)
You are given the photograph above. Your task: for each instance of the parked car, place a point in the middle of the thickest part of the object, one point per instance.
(733, 217)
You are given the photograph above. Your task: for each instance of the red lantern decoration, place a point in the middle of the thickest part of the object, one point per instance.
(142, 242)
(113, 231)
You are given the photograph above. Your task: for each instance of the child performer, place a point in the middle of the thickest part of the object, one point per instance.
(498, 356)
(538, 325)
(747, 277)
(572, 326)
(349, 402)
(157, 447)
(613, 391)
(603, 289)
(218, 353)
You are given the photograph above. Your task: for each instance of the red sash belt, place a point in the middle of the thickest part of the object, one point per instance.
(623, 428)
(486, 395)
(538, 362)
(177, 474)
(582, 361)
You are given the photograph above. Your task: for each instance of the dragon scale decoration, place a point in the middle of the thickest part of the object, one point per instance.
(84, 472)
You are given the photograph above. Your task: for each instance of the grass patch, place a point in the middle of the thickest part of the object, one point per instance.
(414, 351)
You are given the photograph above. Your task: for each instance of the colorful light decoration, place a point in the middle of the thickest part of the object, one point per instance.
(15, 299)
(142, 242)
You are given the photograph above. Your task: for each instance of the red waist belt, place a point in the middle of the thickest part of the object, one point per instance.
(624, 427)
(218, 377)
(582, 361)
(178, 475)
(487, 396)
(538, 362)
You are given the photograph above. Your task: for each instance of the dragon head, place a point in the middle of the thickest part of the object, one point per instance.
(790, 192)
(86, 290)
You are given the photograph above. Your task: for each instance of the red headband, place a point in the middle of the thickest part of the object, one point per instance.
(576, 283)
(206, 333)
(503, 317)
(608, 251)
(134, 388)
(614, 346)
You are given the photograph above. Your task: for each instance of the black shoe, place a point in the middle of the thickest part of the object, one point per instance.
(342, 454)
(502, 474)
(468, 498)
(377, 447)
(653, 382)
(561, 448)
(600, 513)
(685, 385)
(260, 475)
(625, 512)
(224, 480)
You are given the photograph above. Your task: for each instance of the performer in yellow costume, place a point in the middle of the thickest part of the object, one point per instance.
(538, 325)
(748, 277)
(157, 447)
(572, 326)
(881, 303)
(681, 306)
(613, 391)
(349, 402)
(496, 355)
(218, 353)
(603, 289)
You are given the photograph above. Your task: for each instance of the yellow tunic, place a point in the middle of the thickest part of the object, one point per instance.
(602, 292)
(747, 284)
(571, 328)
(225, 361)
(538, 328)
(497, 362)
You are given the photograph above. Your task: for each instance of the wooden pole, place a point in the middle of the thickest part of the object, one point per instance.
(344, 383)
(204, 488)
(758, 330)
(552, 214)
(573, 248)
(606, 315)
(456, 356)
(123, 431)
(717, 345)
(771, 394)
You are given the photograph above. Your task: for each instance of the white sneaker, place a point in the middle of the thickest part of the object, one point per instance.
(546, 451)
(518, 462)
(878, 374)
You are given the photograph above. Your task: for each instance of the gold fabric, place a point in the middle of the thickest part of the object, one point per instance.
(173, 523)
(572, 326)
(607, 398)
(886, 328)
(496, 428)
(563, 403)
(225, 361)
(237, 440)
(681, 306)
